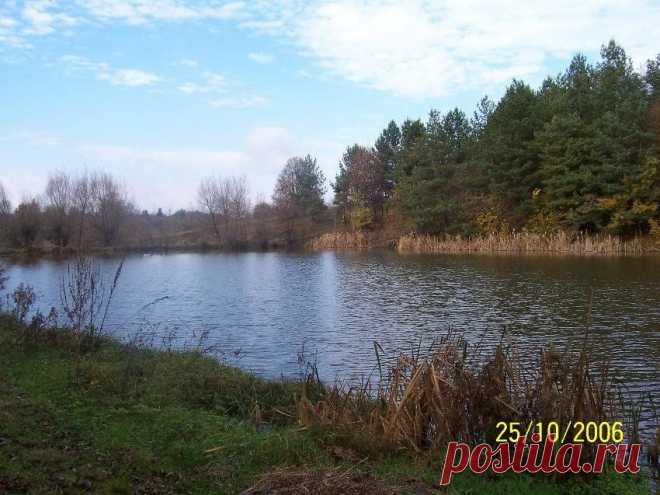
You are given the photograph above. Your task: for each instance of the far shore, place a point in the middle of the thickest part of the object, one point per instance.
(514, 244)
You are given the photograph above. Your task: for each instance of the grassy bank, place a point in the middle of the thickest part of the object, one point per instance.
(122, 419)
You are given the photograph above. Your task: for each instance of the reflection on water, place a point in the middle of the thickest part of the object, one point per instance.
(268, 304)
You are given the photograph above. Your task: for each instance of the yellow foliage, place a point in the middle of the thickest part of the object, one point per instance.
(489, 222)
(361, 218)
(611, 203)
(543, 222)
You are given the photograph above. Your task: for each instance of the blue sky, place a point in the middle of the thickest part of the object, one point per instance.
(165, 92)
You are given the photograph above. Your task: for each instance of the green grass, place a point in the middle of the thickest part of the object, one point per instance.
(137, 421)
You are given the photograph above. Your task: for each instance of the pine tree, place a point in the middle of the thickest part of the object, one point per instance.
(511, 152)
(388, 146)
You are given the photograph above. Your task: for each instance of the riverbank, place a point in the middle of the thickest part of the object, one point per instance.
(51, 251)
(125, 419)
(520, 244)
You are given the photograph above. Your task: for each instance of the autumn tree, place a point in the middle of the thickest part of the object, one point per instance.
(299, 192)
(360, 187)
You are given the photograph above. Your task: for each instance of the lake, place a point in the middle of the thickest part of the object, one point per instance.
(267, 307)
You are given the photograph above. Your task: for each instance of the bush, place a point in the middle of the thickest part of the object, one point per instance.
(3, 281)
(23, 298)
(362, 218)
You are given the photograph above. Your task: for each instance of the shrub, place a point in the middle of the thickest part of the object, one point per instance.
(86, 298)
(23, 298)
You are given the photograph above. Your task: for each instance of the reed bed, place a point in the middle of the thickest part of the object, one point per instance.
(340, 240)
(456, 393)
(519, 243)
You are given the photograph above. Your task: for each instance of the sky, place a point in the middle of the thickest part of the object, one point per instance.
(165, 92)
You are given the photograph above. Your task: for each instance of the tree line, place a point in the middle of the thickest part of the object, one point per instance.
(581, 153)
(93, 210)
(72, 212)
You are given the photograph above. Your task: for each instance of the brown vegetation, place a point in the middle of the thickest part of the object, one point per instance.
(341, 240)
(456, 393)
(228, 206)
(526, 243)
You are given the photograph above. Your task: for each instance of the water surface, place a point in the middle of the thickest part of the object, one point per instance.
(268, 305)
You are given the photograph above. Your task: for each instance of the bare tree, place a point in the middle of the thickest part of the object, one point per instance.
(208, 197)
(228, 205)
(59, 197)
(81, 202)
(5, 214)
(236, 208)
(263, 216)
(28, 221)
(109, 206)
(5, 205)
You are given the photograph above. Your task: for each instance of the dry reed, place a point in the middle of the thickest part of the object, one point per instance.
(340, 240)
(524, 243)
(451, 395)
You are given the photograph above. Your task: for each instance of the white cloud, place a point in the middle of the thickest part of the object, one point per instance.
(7, 22)
(168, 177)
(9, 34)
(129, 77)
(21, 185)
(165, 176)
(260, 57)
(422, 48)
(31, 137)
(137, 12)
(31, 18)
(104, 72)
(304, 74)
(189, 62)
(238, 102)
(416, 48)
(40, 17)
(213, 83)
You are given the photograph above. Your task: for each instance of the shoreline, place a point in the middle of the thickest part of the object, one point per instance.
(514, 244)
(135, 414)
(511, 244)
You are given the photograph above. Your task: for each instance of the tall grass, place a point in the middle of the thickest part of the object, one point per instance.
(455, 393)
(524, 243)
(340, 240)
(85, 296)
